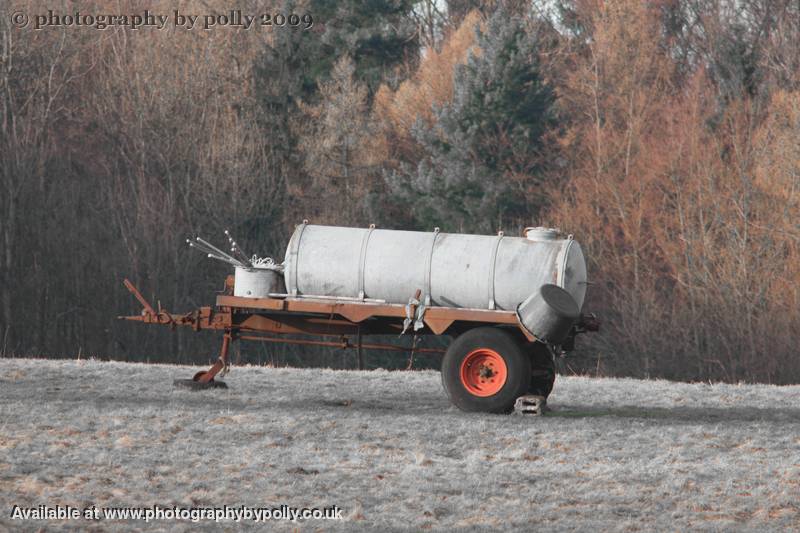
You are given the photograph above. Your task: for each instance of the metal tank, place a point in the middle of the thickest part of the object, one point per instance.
(451, 270)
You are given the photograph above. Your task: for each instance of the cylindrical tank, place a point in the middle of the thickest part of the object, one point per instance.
(451, 270)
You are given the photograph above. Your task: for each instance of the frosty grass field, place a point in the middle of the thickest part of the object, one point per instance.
(389, 449)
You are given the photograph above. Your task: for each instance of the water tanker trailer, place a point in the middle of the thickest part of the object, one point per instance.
(510, 305)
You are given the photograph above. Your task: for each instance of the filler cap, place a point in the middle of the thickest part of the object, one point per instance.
(541, 233)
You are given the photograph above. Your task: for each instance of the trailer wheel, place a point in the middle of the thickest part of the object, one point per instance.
(486, 370)
(543, 370)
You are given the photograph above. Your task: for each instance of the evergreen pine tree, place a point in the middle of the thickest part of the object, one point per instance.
(378, 35)
(483, 153)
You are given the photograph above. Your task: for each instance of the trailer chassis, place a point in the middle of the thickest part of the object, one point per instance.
(272, 319)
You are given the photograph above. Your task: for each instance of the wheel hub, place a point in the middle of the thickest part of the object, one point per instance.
(483, 372)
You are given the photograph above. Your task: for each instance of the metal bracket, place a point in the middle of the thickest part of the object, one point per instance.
(428, 266)
(411, 312)
(408, 320)
(294, 253)
(419, 319)
(561, 261)
(362, 262)
(492, 265)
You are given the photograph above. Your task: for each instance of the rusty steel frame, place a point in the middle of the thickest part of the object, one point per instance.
(251, 318)
(343, 343)
(438, 319)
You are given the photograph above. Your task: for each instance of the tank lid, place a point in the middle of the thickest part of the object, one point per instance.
(540, 233)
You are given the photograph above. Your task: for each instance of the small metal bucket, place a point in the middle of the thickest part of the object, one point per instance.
(257, 282)
(548, 314)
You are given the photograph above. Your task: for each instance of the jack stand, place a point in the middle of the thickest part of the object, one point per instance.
(205, 378)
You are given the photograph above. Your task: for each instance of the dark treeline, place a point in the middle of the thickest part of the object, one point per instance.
(662, 134)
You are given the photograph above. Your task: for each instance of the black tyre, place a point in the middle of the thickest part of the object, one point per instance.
(485, 370)
(543, 370)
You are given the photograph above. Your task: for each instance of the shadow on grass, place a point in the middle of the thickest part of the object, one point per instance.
(685, 414)
(249, 397)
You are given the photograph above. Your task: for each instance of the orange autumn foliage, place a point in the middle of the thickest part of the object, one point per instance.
(690, 228)
(431, 85)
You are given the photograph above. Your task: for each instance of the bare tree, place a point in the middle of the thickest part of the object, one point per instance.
(337, 142)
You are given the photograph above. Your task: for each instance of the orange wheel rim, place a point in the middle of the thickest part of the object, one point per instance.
(483, 372)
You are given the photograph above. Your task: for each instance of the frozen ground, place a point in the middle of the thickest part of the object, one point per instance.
(388, 448)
